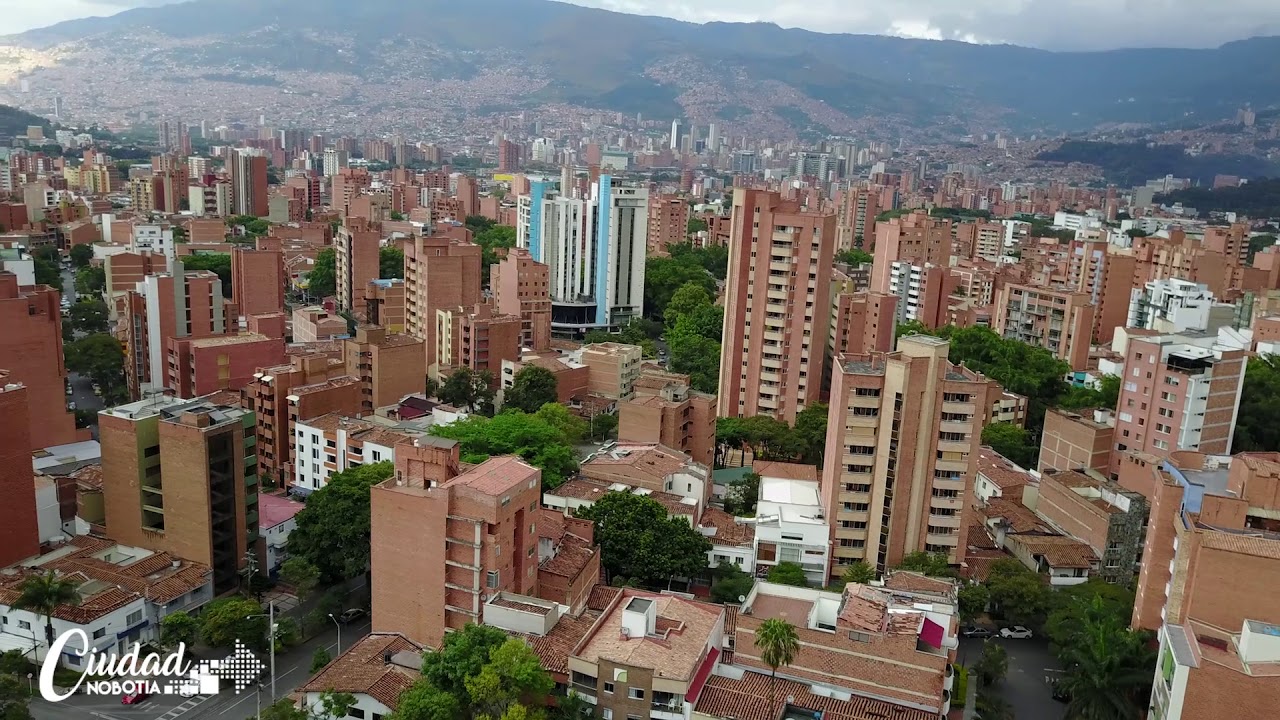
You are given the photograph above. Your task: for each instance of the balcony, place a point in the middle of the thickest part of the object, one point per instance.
(946, 503)
(947, 521)
(936, 539)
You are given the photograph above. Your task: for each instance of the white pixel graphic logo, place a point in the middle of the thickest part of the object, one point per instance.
(241, 668)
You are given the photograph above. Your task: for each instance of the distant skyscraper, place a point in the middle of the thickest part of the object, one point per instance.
(675, 134)
(249, 182)
(334, 160)
(713, 138)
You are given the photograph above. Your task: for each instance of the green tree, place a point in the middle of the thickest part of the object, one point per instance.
(1019, 594)
(88, 316)
(696, 225)
(468, 389)
(788, 573)
(179, 234)
(390, 262)
(572, 428)
(319, 659)
(1258, 243)
(462, 655)
(1012, 442)
(478, 223)
(14, 699)
(858, 572)
(729, 583)
(664, 276)
(252, 226)
(778, 645)
(81, 255)
(216, 263)
(931, 564)
(515, 433)
(322, 279)
(513, 675)
(101, 358)
(854, 257)
(425, 701)
(810, 432)
(713, 258)
(43, 594)
(743, 494)
(229, 619)
(47, 273)
(334, 705)
(1258, 420)
(89, 280)
(573, 707)
(179, 628)
(1073, 608)
(990, 706)
(994, 663)
(695, 356)
(639, 540)
(302, 575)
(1108, 671)
(602, 426)
(686, 300)
(972, 599)
(491, 240)
(397, 216)
(532, 387)
(332, 531)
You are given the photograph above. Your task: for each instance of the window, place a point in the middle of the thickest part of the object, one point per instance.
(491, 580)
(356, 713)
(24, 625)
(134, 618)
(608, 687)
(99, 633)
(606, 713)
(635, 693)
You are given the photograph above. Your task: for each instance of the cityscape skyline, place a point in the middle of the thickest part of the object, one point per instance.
(1064, 26)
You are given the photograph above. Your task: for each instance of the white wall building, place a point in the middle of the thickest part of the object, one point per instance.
(789, 518)
(1173, 305)
(152, 238)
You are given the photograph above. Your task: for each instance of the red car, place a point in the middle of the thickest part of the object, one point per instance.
(134, 698)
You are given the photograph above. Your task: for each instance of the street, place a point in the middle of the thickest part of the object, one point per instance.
(292, 670)
(1025, 686)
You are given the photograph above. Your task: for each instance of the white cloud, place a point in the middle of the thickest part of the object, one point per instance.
(1051, 24)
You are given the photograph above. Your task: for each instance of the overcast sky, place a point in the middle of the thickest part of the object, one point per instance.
(1050, 24)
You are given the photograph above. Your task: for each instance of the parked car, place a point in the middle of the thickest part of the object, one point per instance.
(134, 698)
(1017, 632)
(351, 615)
(71, 405)
(975, 631)
(1059, 692)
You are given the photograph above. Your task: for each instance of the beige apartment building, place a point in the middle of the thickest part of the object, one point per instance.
(614, 369)
(1060, 321)
(1074, 441)
(439, 272)
(777, 306)
(357, 247)
(902, 440)
(666, 411)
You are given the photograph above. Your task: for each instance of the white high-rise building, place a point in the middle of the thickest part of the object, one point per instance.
(594, 249)
(713, 138)
(543, 150)
(334, 160)
(675, 134)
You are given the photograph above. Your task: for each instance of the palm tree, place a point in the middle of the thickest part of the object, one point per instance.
(778, 645)
(43, 594)
(990, 706)
(1108, 673)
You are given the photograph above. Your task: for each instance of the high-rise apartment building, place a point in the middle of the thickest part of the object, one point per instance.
(1179, 392)
(594, 249)
(357, 248)
(857, 218)
(19, 533)
(179, 476)
(668, 222)
(475, 338)
(665, 410)
(508, 156)
(31, 350)
(777, 306)
(521, 286)
(916, 239)
(388, 366)
(384, 304)
(249, 182)
(334, 161)
(902, 451)
(862, 322)
(165, 306)
(439, 272)
(675, 134)
(257, 281)
(472, 531)
(1060, 321)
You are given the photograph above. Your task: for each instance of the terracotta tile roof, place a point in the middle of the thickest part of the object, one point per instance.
(591, 490)
(554, 648)
(676, 656)
(1059, 551)
(865, 608)
(978, 563)
(158, 577)
(496, 475)
(656, 460)
(748, 699)
(979, 537)
(572, 556)
(522, 607)
(601, 596)
(276, 509)
(793, 471)
(728, 532)
(363, 670)
(1000, 470)
(580, 489)
(88, 477)
(1019, 518)
(230, 398)
(918, 582)
(1242, 543)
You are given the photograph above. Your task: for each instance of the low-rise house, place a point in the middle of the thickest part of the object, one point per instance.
(375, 670)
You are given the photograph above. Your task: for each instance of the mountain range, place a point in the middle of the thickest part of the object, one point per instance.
(656, 66)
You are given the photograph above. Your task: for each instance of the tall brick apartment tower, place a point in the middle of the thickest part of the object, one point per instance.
(19, 533)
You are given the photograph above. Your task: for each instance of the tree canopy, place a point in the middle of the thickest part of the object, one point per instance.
(226, 620)
(491, 240)
(788, 573)
(332, 532)
(467, 389)
(322, 279)
(81, 255)
(390, 262)
(89, 280)
(217, 263)
(854, 257)
(1012, 442)
(99, 357)
(535, 439)
(88, 315)
(1258, 421)
(664, 276)
(638, 539)
(532, 387)
(694, 327)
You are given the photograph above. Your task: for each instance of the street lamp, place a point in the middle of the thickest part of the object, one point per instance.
(271, 640)
(339, 626)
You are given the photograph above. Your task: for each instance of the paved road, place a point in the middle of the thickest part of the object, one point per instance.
(292, 670)
(1026, 686)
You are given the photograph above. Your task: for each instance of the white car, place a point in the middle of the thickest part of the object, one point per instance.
(1017, 632)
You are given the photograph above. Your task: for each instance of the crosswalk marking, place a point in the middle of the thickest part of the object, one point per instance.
(184, 708)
